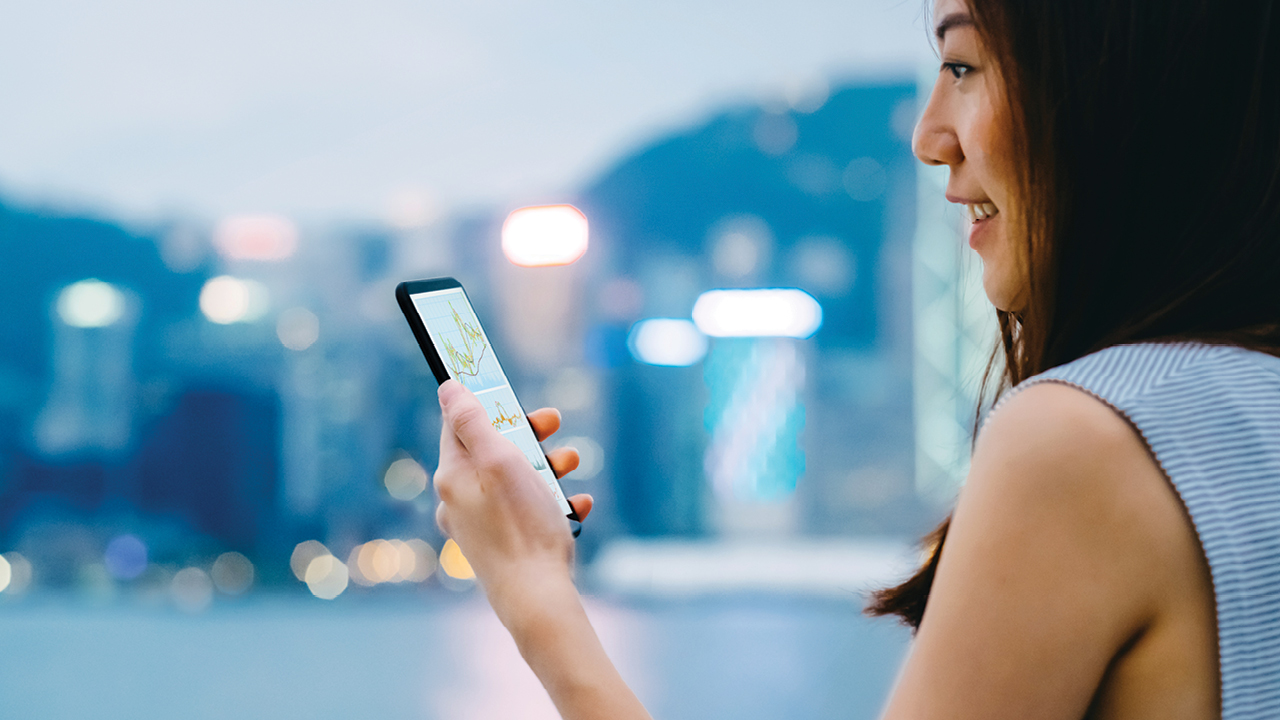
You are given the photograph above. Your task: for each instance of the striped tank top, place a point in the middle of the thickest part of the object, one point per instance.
(1211, 418)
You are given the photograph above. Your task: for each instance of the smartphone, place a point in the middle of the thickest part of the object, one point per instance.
(457, 347)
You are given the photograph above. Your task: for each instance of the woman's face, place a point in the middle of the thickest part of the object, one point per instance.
(966, 128)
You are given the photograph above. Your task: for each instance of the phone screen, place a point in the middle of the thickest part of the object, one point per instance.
(465, 351)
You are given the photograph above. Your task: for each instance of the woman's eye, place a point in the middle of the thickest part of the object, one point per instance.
(957, 70)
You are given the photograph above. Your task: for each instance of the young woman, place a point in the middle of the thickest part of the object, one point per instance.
(1115, 552)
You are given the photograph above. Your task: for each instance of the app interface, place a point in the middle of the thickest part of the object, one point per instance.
(465, 351)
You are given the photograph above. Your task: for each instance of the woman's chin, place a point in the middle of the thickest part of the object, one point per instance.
(1000, 290)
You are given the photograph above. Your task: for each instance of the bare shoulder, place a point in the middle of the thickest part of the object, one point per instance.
(1059, 454)
(1051, 422)
(1065, 545)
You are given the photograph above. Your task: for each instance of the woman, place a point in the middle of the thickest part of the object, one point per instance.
(1116, 549)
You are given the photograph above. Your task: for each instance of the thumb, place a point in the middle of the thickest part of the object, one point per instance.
(466, 416)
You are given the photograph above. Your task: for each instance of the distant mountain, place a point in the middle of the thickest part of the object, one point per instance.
(828, 174)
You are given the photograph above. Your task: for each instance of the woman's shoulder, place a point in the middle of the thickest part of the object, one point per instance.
(1062, 434)
(1066, 543)
(1055, 456)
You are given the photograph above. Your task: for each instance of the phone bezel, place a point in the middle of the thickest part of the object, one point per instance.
(404, 293)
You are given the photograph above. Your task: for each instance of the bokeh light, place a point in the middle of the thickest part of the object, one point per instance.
(125, 557)
(391, 561)
(298, 328)
(405, 479)
(865, 179)
(90, 304)
(6, 573)
(379, 561)
(824, 265)
(256, 237)
(232, 573)
(354, 573)
(784, 312)
(425, 561)
(191, 590)
(544, 235)
(20, 573)
(669, 342)
(454, 563)
(775, 134)
(303, 553)
(326, 577)
(226, 299)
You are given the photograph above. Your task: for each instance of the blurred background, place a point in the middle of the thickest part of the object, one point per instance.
(217, 432)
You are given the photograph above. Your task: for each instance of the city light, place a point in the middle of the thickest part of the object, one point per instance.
(191, 589)
(774, 312)
(225, 300)
(405, 479)
(256, 237)
(298, 328)
(424, 560)
(303, 553)
(125, 557)
(379, 561)
(326, 577)
(232, 573)
(18, 573)
(590, 456)
(544, 235)
(391, 561)
(667, 341)
(454, 563)
(90, 304)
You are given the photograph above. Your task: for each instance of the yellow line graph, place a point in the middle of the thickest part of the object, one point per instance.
(504, 421)
(465, 362)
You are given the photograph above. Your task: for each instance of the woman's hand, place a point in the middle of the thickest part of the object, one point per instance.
(494, 504)
(500, 512)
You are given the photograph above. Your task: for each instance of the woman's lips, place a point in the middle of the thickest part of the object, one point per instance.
(979, 229)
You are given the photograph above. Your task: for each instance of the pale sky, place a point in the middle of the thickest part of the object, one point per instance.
(323, 110)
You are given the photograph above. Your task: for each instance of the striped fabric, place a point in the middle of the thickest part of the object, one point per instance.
(1211, 416)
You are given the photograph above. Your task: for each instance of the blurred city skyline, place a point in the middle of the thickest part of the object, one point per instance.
(217, 434)
(143, 111)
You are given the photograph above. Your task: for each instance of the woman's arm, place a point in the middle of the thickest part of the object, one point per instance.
(546, 619)
(497, 508)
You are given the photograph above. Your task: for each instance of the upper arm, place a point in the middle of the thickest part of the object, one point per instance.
(1053, 562)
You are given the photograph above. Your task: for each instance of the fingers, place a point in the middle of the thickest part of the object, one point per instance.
(545, 422)
(582, 505)
(466, 416)
(564, 460)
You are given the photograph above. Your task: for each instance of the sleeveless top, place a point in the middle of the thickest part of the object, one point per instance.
(1211, 417)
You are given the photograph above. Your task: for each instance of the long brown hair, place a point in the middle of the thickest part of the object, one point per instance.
(1147, 134)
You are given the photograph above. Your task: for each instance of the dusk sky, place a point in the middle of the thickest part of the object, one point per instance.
(142, 109)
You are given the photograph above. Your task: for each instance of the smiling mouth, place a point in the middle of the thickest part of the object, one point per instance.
(980, 211)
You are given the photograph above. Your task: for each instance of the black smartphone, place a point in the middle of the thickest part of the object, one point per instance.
(457, 347)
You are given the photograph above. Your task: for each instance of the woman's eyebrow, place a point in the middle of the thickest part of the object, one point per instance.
(954, 20)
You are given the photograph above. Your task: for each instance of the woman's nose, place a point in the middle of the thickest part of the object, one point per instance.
(934, 140)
